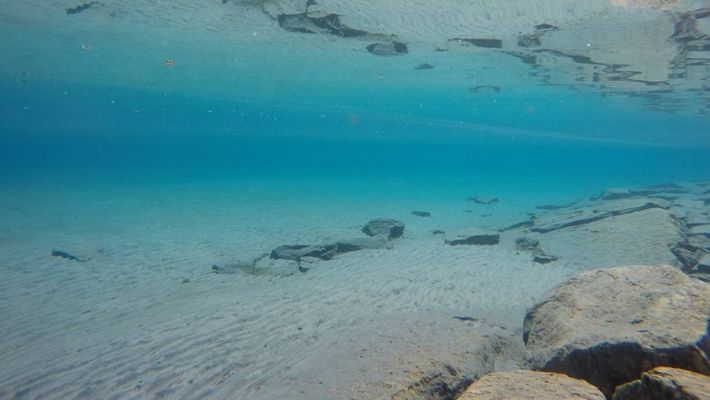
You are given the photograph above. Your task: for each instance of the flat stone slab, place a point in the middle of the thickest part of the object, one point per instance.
(607, 326)
(525, 385)
(594, 214)
(664, 383)
(473, 238)
(620, 240)
(329, 250)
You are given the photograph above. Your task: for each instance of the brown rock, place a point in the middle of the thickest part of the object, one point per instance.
(664, 383)
(608, 326)
(530, 385)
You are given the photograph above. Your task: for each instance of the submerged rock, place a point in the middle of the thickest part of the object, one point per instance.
(363, 243)
(582, 217)
(664, 383)
(526, 244)
(297, 252)
(328, 251)
(390, 228)
(607, 326)
(544, 258)
(482, 238)
(616, 194)
(483, 199)
(533, 246)
(68, 256)
(524, 385)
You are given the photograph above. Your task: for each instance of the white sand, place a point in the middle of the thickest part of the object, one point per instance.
(122, 325)
(366, 324)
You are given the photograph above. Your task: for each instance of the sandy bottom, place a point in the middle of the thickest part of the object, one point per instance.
(144, 316)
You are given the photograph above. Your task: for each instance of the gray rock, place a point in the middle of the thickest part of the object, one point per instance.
(544, 258)
(482, 238)
(526, 244)
(525, 385)
(607, 326)
(533, 246)
(616, 194)
(391, 228)
(346, 246)
(328, 251)
(664, 383)
(297, 252)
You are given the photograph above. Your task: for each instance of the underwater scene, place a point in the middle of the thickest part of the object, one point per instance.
(355, 199)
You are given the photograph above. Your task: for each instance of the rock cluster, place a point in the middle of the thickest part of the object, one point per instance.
(610, 328)
(610, 325)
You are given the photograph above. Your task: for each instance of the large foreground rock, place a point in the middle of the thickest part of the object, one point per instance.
(666, 384)
(608, 326)
(524, 385)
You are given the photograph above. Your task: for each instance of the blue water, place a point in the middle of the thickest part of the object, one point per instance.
(90, 130)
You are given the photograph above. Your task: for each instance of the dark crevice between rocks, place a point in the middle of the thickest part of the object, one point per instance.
(693, 252)
(630, 361)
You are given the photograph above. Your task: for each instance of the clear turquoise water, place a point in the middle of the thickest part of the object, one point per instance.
(80, 130)
(259, 137)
